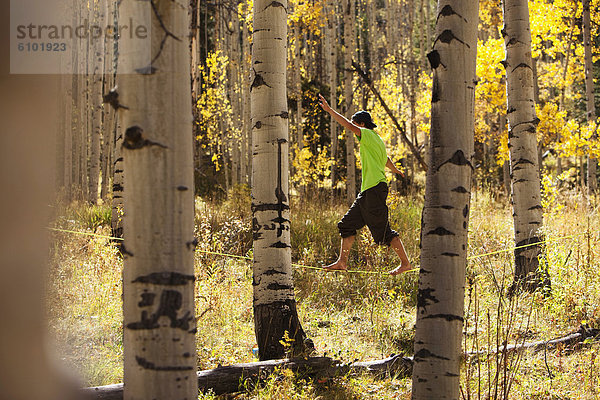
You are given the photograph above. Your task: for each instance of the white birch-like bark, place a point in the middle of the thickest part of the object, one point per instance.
(373, 35)
(116, 141)
(330, 54)
(68, 142)
(298, 85)
(158, 277)
(274, 303)
(349, 50)
(589, 93)
(440, 298)
(247, 129)
(522, 143)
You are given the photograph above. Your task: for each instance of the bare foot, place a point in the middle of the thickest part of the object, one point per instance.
(400, 269)
(336, 266)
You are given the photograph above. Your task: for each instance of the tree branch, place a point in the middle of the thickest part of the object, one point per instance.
(401, 129)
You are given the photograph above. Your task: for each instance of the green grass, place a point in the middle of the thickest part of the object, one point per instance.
(349, 316)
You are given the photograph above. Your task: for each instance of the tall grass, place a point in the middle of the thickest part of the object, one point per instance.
(350, 315)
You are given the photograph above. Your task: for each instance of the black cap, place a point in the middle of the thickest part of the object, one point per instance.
(364, 117)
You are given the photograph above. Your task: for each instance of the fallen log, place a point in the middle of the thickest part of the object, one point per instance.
(235, 378)
(577, 337)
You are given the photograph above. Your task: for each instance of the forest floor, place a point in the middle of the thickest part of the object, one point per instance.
(350, 316)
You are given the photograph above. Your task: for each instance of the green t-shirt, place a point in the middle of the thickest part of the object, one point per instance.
(373, 158)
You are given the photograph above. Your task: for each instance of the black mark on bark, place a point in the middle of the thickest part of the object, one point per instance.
(112, 98)
(169, 306)
(124, 250)
(522, 65)
(425, 297)
(424, 353)
(450, 254)
(274, 272)
(434, 59)
(275, 4)
(142, 362)
(147, 300)
(148, 69)
(280, 245)
(447, 36)
(513, 41)
(192, 245)
(440, 231)
(447, 11)
(277, 286)
(460, 189)
(447, 317)
(258, 81)
(166, 279)
(458, 158)
(134, 139)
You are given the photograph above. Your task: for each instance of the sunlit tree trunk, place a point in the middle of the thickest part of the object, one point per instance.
(589, 92)
(68, 142)
(349, 50)
(247, 131)
(330, 55)
(440, 299)
(522, 123)
(158, 295)
(95, 109)
(275, 314)
(116, 219)
(298, 85)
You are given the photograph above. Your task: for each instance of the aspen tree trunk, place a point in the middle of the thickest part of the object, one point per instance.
(275, 314)
(116, 217)
(237, 104)
(158, 277)
(116, 143)
(68, 142)
(524, 167)
(373, 35)
(440, 299)
(108, 82)
(589, 93)
(330, 52)
(95, 108)
(298, 86)
(29, 115)
(349, 50)
(247, 131)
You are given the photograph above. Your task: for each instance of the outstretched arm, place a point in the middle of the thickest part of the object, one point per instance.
(339, 117)
(392, 166)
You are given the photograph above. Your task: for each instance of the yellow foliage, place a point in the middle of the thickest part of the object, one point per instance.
(490, 93)
(216, 123)
(309, 16)
(310, 168)
(552, 122)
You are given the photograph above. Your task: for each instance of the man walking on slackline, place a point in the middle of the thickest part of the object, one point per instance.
(370, 206)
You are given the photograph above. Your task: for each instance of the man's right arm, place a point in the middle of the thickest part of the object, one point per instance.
(339, 118)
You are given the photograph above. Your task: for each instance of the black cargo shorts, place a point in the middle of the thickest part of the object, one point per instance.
(369, 209)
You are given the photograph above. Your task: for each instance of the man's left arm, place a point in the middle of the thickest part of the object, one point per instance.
(392, 166)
